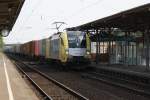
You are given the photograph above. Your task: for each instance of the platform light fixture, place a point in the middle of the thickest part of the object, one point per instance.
(5, 32)
(9, 9)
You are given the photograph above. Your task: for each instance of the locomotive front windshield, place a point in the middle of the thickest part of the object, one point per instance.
(76, 39)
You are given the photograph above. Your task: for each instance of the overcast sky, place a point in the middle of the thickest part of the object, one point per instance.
(36, 17)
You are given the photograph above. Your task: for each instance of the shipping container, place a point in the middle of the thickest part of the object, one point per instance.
(27, 48)
(40, 48)
(32, 48)
(17, 48)
(36, 48)
(47, 48)
(54, 47)
(44, 47)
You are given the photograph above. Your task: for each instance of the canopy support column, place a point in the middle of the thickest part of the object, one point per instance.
(97, 46)
(126, 47)
(147, 40)
(109, 46)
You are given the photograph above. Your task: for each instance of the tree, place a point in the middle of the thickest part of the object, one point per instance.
(1, 43)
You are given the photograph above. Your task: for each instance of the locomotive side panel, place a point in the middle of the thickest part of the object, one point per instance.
(64, 47)
(55, 46)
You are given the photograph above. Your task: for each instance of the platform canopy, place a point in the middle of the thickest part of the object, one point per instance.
(135, 19)
(9, 11)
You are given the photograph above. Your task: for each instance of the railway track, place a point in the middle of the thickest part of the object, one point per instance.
(49, 88)
(136, 87)
(111, 81)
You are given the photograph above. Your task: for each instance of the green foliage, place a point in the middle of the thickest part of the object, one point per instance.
(1, 42)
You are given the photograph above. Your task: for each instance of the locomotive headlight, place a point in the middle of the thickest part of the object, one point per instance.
(5, 32)
(87, 52)
(67, 52)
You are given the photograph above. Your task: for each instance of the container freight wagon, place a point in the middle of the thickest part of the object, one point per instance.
(29, 44)
(17, 48)
(28, 47)
(22, 48)
(32, 48)
(36, 48)
(47, 56)
(14, 49)
(25, 49)
(42, 48)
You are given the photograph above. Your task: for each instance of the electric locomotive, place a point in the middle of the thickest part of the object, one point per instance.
(70, 47)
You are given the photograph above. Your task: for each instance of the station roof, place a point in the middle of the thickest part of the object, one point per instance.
(9, 11)
(134, 19)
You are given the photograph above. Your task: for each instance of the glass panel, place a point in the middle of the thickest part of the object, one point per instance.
(76, 39)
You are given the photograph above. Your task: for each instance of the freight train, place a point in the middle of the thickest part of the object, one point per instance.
(63, 47)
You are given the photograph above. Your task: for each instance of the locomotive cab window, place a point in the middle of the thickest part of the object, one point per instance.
(76, 39)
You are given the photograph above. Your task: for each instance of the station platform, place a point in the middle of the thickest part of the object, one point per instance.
(125, 69)
(12, 85)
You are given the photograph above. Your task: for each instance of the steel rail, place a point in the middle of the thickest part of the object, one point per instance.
(45, 96)
(74, 93)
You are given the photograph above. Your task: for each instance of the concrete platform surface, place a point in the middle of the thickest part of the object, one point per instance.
(12, 85)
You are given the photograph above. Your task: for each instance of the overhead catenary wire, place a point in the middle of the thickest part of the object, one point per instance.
(41, 17)
(30, 15)
(82, 9)
(26, 20)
